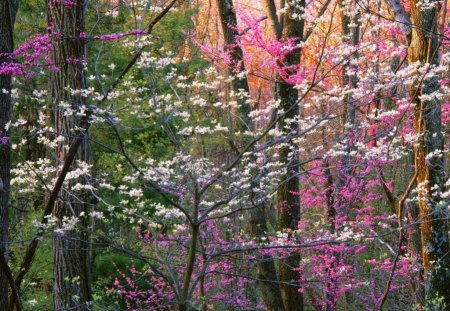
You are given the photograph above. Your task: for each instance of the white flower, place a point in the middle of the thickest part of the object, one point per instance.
(33, 302)
(135, 193)
(98, 215)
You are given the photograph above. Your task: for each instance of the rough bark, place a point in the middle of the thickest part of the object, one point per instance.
(8, 11)
(287, 195)
(274, 23)
(71, 282)
(257, 223)
(430, 171)
(228, 21)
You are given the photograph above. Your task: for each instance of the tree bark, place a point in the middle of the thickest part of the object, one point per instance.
(274, 23)
(8, 11)
(430, 171)
(288, 197)
(71, 281)
(228, 21)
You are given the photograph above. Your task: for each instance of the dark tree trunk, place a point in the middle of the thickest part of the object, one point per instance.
(430, 172)
(274, 22)
(8, 11)
(287, 195)
(228, 21)
(70, 248)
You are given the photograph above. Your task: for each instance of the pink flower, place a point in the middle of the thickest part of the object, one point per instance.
(136, 32)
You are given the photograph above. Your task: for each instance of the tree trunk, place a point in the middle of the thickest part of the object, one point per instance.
(430, 171)
(8, 11)
(415, 245)
(71, 283)
(257, 225)
(228, 21)
(274, 23)
(287, 195)
(266, 273)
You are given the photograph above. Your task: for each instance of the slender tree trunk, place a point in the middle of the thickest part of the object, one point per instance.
(288, 197)
(430, 170)
(8, 11)
(190, 264)
(257, 224)
(184, 303)
(228, 21)
(70, 248)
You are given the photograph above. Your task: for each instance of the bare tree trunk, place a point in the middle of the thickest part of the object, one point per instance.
(228, 21)
(257, 224)
(274, 23)
(71, 284)
(430, 171)
(287, 195)
(184, 304)
(8, 11)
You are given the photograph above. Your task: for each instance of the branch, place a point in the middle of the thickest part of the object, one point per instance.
(77, 141)
(400, 242)
(14, 298)
(321, 12)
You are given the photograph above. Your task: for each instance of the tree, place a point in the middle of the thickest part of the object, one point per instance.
(288, 199)
(429, 165)
(8, 10)
(72, 286)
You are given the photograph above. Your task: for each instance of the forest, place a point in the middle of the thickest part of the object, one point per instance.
(280, 155)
